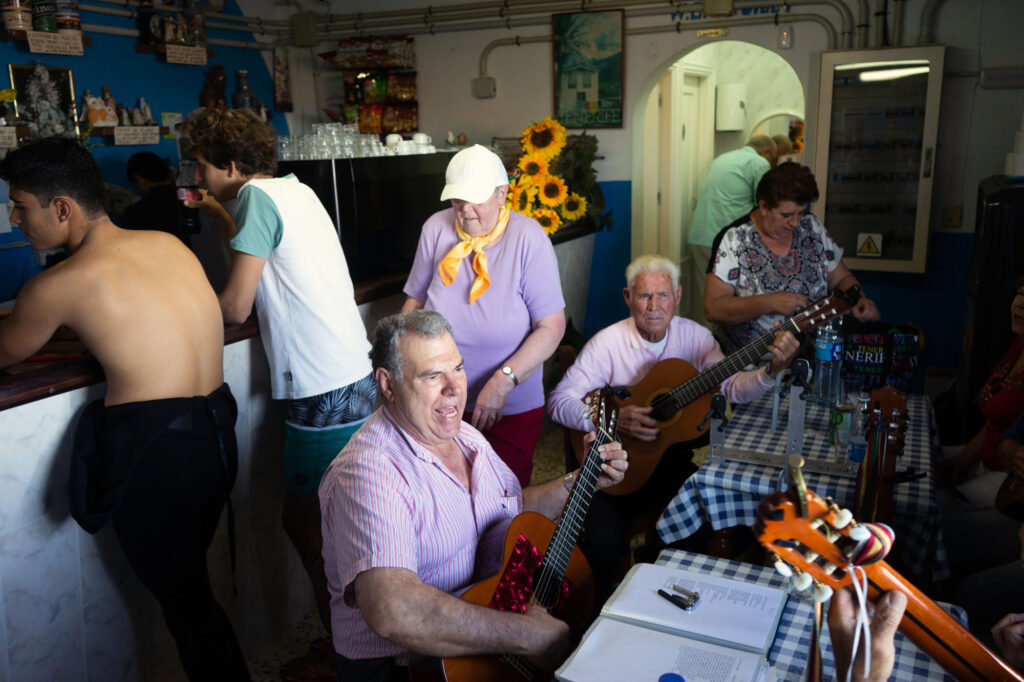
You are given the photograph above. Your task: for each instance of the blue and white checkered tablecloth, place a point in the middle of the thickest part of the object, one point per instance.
(792, 642)
(726, 493)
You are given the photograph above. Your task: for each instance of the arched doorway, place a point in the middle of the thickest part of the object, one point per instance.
(676, 137)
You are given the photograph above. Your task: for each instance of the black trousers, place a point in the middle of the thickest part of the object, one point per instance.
(604, 541)
(371, 670)
(167, 517)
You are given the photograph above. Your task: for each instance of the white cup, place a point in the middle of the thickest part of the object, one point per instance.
(421, 138)
(393, 139)
(406, 147)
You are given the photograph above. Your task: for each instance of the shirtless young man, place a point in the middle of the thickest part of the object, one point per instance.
(158, 455)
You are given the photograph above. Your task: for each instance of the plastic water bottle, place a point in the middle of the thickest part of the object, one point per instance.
(858, 431)
(828, 361)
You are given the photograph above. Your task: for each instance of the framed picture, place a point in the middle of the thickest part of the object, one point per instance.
(45, 99)
(588, 68)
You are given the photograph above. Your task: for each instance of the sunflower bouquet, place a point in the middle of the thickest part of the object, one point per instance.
(538, 191)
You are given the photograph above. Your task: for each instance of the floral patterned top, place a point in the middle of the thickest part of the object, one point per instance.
(742, 259)
(1001, 400)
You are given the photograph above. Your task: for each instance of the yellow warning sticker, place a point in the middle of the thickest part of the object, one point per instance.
(869, 244)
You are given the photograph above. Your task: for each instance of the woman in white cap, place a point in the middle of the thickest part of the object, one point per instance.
(492, 273)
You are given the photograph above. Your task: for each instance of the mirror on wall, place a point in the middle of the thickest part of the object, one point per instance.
(875, 153)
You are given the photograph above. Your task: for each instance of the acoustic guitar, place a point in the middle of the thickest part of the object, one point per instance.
(886, 433)
(818, 542)
(559, 581)
(681, 397)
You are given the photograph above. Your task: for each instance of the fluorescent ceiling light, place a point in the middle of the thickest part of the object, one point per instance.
(891, 74)
(872, 65)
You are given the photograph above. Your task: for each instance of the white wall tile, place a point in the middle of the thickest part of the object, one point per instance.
(41, 580)
(52, 654)
(110, 641)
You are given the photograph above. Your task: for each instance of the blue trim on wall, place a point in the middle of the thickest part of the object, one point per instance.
(112, 61)
(605, 305)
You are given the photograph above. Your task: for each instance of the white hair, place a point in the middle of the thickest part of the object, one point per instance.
(651, 264)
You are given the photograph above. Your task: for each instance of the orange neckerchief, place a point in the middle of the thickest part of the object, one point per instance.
(449, 265)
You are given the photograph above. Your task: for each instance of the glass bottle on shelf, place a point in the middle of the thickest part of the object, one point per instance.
(244, 98)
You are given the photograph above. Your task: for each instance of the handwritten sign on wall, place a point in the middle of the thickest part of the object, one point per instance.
(55, 43)
(8, 137)
(186, 54)
(127, 135)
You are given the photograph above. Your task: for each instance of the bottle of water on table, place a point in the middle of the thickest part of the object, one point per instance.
(828, 361)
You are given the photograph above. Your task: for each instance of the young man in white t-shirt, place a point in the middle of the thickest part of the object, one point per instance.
(287, 261)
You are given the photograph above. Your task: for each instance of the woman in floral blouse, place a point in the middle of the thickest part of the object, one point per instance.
(767, 266)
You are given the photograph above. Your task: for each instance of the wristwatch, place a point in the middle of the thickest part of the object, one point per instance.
(507, 371)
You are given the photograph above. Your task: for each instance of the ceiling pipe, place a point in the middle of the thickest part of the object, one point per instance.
(898, 7)
(846, 16)
(133, 33)
(678, 27)
(927, 34)
(863, 23)
(130, 6)
(880, 14)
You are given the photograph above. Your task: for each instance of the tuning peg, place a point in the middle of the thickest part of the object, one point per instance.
(801, 581)
(782, 567)
(822, 592)
(842, 518)
(859, 533)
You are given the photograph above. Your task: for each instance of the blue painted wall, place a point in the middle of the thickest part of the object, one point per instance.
(112, 61)
(605, 305)
(935, 301)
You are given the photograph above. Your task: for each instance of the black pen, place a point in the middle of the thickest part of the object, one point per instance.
(675, 599)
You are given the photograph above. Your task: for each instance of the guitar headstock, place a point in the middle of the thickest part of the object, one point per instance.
(836, 304)
(819, 548)
(602, 410)
(888, 410)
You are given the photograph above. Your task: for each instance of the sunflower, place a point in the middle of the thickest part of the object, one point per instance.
(545, 139)
(534, 167)
(574, 207)
(520, 197)
(552, 191)
(548, 219)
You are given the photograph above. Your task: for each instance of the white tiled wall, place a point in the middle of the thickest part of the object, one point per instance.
(70, 607)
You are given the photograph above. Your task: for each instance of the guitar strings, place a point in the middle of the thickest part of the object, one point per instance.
(860, 588)
(707, 380)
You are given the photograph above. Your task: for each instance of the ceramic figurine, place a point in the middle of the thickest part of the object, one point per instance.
(137, 118)
(86, 96)
(95, 112)
(147, 115)
(122, 113)
(212, 95)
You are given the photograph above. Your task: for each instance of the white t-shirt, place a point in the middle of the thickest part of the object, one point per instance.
(310, 327)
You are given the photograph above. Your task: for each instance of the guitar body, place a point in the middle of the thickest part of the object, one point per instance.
(679, 428)
(575, 610)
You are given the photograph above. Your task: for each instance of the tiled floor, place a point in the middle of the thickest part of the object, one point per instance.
(548, 462)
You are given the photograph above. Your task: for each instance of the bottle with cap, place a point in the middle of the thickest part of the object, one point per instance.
(244, 98)
(828, 360)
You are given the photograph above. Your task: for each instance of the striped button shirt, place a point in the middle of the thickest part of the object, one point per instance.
(387, 502)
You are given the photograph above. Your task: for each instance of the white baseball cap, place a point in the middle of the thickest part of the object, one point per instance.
(473, 174)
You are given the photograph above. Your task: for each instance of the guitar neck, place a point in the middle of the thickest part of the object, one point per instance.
(939, 634)
(567, 530)
(713, 376)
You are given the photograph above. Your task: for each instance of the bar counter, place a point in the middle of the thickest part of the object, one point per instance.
(24, 383)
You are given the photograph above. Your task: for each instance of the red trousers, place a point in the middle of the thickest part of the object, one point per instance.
(514, 437)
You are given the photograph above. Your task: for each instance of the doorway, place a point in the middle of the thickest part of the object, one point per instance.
(679, 139)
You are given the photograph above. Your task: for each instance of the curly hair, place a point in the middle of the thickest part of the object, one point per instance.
(57, 166)
(239, 135)
(787, 182)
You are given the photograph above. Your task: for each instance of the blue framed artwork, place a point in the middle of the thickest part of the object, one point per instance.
(588, 68)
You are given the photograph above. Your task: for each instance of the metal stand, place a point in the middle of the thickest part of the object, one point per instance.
(800, 378)
(716, 415)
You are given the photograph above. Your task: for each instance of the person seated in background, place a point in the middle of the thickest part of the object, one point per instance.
(783, 148)
(622, 355)
(157, 456)
(728, 192)
(405, 506)
(976, 470)
(158, 209)
(988, 545)
(770, 264)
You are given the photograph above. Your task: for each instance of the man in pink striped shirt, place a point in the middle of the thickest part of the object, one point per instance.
(405, 506)
(622, 355)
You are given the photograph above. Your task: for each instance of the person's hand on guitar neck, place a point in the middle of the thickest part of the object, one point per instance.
(842, 624)
(784, 348)
(636, 422)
